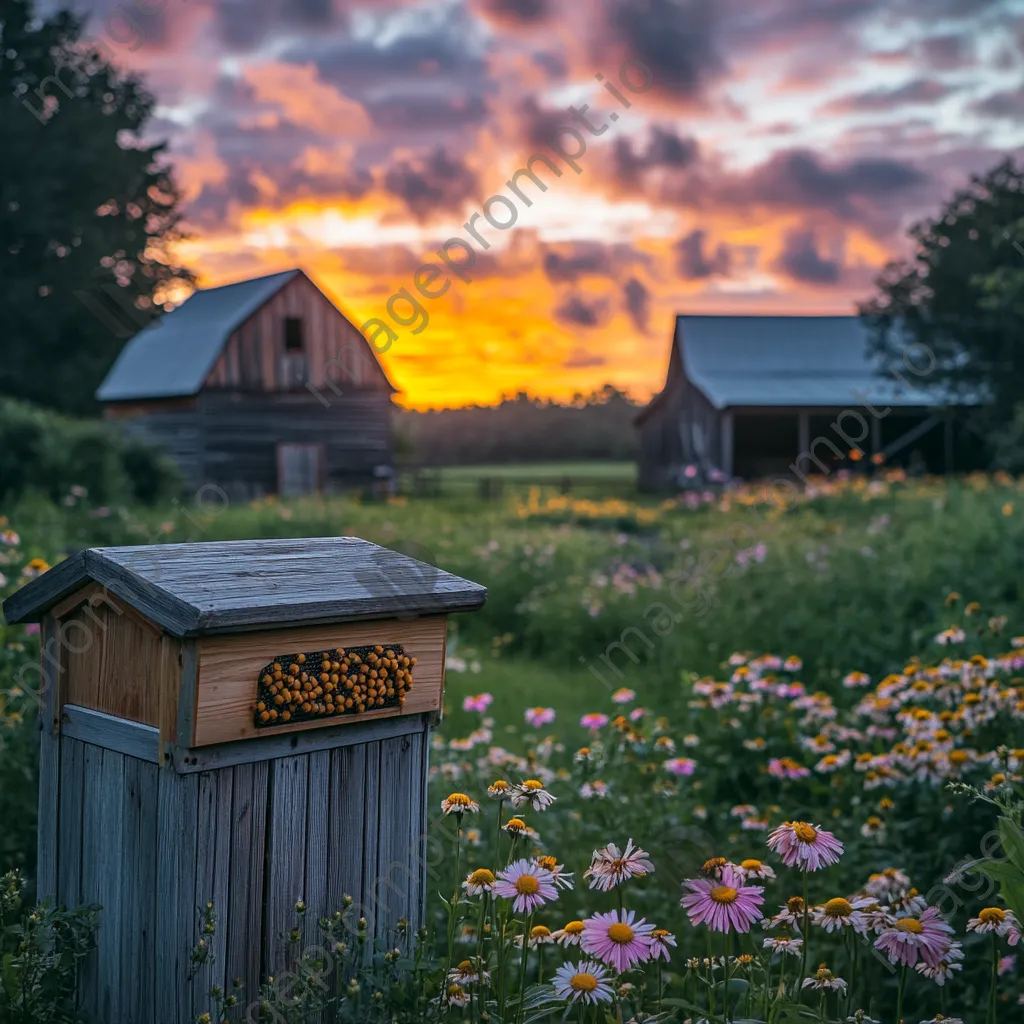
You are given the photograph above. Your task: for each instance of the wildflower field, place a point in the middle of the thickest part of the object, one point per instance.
(752, 756)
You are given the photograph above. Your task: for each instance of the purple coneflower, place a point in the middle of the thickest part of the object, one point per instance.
(661, 939)
(911, 938)
(993, 919)
(480, 702)
(824, 979)
(805, 846)
(561, 877)
(481, 880)
(840, 913)
(527, 885)
(570, 934)
(594, 721)
(459, 803)
(752, 868)
(585, 982)
(611, 866)
(623, 696)
(532, 793)
(537, 717)
(725, 904)
(617, 939)
(680, 766)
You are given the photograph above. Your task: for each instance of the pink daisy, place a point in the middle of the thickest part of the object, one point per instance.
(527, 884)
(480, 703)
(927, 936)
(611, 866)
(536, 717)
(805, 846)
(724, 904)
(680, 766)
(623, 696)
(660, 942)
(618, 939)
(594, 721)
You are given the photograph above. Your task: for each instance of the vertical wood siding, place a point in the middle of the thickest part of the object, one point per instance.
(153, 846)
(251, 359)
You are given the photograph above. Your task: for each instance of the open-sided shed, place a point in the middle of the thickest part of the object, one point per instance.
(752, 396)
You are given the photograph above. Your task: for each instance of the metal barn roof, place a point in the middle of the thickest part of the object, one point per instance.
(172, 356)
(790, 361)
(222, 586)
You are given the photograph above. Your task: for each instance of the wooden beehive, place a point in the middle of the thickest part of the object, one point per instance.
(166, 782)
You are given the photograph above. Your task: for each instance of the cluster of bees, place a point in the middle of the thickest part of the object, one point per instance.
(346, 681)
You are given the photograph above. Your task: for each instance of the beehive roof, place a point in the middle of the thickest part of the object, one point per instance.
(228, 586)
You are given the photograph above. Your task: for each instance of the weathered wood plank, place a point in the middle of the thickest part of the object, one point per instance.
(371, 826)
(175, 910)
(141, 986)
(317, 826)
(229, 670)
(346, 826)
(286, 854)
(222, 876)
(391, 887)
(268, 748)
(423, 807)
(93, 866)
(69, 857)
(107, 880)
(112, 733)
(49, 768)
(206, 869)
(257, 877)
(233, 917)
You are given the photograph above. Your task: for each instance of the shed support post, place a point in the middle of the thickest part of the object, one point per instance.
(727, 443)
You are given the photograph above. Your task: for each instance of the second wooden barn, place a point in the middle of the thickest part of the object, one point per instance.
(259, 387)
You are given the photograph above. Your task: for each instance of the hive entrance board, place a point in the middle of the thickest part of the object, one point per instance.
(316, 685)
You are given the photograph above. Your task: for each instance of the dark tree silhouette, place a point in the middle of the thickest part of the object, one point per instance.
(959, 299)
(88, 209)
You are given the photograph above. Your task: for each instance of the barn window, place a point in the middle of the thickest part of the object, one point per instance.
(293, 334)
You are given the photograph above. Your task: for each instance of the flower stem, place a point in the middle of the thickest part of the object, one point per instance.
(804, 936)
(726, 996)
(711, 975)
(521, 1010)
(994, 983)
(899, 995)
(453, 909)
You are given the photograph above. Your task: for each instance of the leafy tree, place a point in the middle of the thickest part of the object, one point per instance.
(88, 210)
(956, 307)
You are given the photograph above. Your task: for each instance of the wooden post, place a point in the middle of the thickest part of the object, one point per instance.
(166, 787)
(727, 443)
(803, 434)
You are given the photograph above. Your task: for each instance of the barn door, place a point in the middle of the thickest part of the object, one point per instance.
(299, 469)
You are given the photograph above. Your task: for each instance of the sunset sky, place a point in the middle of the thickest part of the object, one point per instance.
(773, 166)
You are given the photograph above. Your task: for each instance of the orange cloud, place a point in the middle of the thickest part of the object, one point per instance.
(297, 91)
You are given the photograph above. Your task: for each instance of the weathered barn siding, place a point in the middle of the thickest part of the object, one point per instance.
(679, 428)
(153, 846)
(230, 439)
(334, 348)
